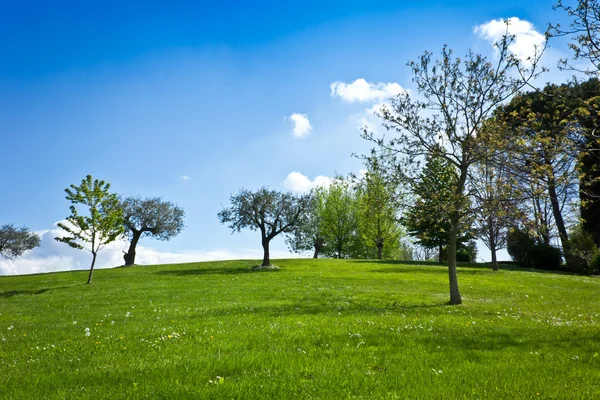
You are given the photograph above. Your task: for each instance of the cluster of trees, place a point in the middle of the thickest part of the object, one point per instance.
(476, 153)
(351, 218)
(473, 154)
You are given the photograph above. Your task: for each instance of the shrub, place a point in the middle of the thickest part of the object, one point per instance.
(545, 256)
(467, 252)
(583, 253)
(520, 246)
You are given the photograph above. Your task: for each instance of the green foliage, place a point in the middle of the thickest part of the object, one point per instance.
(467, 252)
(519, 245)
(309, 234)
(340, 220)
(583, 251)
(15, 241)
(152, 216)
(545, 256)
(269, 211)
(101, 223)
(377, 213)
(428, 219)
(320, 329)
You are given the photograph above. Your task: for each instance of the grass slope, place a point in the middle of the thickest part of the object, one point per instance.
(324, 329)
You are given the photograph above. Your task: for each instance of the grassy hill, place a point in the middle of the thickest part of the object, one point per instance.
(313, 329)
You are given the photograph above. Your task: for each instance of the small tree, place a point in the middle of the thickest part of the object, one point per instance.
(15, 241)
(104, 223)
(149, 217)
(269, 211)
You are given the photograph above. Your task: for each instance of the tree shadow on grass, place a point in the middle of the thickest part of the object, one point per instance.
(428, 270)
(215, 271)
(13, 293)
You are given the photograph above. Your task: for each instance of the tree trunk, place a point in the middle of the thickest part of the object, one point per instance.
(318, 244)
(91, 268)
(441, 254)
(453, 278)
(379, 251)
(493, 248)
(266, 260)
(494, 259)
(560, 222)
(129, 257)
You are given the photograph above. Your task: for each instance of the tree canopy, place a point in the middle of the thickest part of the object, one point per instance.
(149, 216)
(269, 211)
(14, 241)
(101, 223)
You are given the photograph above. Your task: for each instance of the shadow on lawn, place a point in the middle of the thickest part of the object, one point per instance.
(428, 270)
(12, 293)
(214, 271)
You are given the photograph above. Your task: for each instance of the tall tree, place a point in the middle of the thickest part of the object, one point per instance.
(15, 241)
(584, 31)
(458, 96)
(153, 217)
(102, 224)
(309, 236)
(377, 213)
(587, 114)
(428, 218)
(339, 219)
(546, 149)
(495, 205)
(269, 211)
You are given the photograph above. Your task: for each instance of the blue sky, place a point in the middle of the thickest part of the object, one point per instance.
(193, 100)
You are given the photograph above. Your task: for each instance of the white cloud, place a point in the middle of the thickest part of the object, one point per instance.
(302, 125)
(52, 256)
(361, 91)
(299, 183)
(185, 178)
(526, 36)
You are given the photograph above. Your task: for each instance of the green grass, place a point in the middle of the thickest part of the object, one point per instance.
(324, 329)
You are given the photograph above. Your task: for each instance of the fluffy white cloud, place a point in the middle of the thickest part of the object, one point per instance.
(53, 256)
(527, 38)
(302, 126)
(185, 178)
(362, 91)
(299, 183)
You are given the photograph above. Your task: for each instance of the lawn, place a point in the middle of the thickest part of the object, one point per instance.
(318, 329)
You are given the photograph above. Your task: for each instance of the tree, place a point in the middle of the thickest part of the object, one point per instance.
(339, 219)
(15, 241)
(308, 236)
(102, 225)
(458, 96)
(269, 211)
(587, 114)
(377, 213)
(427, 219)
(584, 30)
(154, 217)
(546, 149)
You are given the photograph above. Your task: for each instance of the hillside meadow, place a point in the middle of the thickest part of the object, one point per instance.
(314, 329)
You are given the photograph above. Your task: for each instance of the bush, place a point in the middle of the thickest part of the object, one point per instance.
(595, 264)
(545, 256)
(520, 246)
(467, 252)
(583, 254)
